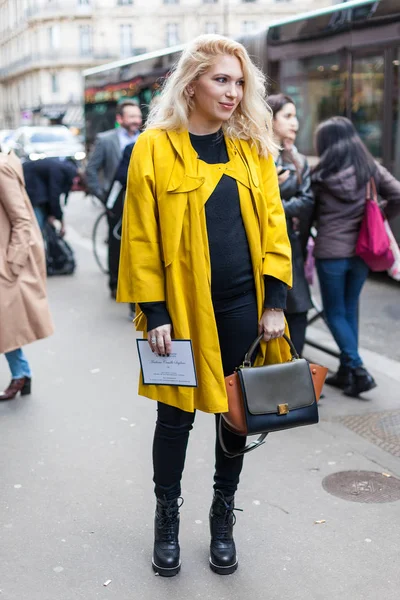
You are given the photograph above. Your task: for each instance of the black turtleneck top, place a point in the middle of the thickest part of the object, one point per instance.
(231, 267)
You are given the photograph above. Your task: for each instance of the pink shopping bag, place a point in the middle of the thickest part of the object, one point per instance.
(373, 244)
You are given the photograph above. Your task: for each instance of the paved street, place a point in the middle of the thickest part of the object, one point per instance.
(76, 502)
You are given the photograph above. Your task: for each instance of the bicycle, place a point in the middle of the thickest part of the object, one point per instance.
(100, 236)
(100, 242)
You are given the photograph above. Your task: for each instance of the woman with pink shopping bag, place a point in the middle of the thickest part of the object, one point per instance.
(340, 183)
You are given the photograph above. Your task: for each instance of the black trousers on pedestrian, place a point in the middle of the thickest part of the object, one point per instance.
(114, 248)
(297, 323)
(237, 324)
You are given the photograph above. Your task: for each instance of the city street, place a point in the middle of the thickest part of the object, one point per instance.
(76, 499)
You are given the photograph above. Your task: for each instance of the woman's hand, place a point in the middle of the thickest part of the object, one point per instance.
(283, 175)
(160, 340)
(272, 324)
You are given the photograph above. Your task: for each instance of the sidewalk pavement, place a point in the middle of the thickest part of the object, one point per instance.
(76, 499)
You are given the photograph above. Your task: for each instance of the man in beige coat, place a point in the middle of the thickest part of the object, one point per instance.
(24, 311)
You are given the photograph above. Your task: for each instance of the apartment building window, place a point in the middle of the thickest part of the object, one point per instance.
(171, 1)
(248, 0)
(55, 88)
(248, 26)
(84, 2)
(210, 1)
(85, 40)
(125, 34)
(211, 27)
(172, 34)
(124, 2)
(54, 37)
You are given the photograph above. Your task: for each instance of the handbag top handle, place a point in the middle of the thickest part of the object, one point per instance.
(249, 353)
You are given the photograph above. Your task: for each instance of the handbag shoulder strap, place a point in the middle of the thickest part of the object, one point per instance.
(251, 446)
(371, 191)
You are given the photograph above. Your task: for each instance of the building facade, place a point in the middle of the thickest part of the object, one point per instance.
(45, 44)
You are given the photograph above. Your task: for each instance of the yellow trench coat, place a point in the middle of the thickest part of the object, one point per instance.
(165, 254)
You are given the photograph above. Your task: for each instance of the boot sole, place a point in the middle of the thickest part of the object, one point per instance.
(223, 570)
(166, 572)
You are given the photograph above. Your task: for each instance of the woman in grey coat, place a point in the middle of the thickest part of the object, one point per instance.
(298, 203)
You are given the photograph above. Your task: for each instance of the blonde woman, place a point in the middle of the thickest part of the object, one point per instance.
(205, 255)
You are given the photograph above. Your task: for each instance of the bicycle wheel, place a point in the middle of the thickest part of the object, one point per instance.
(100, 242)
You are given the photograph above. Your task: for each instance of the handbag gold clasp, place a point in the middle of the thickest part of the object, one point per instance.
(283, 409)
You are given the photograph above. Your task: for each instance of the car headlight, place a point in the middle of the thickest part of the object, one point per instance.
(37, 156)
(79, 155)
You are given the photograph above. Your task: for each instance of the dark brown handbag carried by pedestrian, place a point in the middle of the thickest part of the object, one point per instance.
(271, 397)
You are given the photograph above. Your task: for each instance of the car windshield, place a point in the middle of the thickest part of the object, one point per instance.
(44, 137)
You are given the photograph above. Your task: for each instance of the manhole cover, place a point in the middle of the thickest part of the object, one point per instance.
(362, 486)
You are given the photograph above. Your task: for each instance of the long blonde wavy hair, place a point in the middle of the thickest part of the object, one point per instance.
(252, 119)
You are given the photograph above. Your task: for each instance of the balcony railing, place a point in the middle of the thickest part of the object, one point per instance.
(62, 7)
(56, 58)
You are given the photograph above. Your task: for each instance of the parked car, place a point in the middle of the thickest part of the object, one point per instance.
(55, 141)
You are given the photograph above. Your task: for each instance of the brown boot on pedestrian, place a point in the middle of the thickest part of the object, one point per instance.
(22, 385)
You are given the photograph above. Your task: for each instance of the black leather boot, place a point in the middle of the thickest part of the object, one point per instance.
(223, 558)
(341, 379)
(361, 381)
(166, 556)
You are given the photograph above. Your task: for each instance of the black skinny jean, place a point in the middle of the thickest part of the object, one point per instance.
(114, 248)
(237, 324)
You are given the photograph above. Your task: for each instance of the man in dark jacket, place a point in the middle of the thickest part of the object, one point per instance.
(45, 181)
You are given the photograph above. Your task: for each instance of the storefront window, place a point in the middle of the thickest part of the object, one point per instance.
(318, 88)
(396, 116)
(367, 101)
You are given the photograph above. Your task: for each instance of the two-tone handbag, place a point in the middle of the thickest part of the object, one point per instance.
(271, 397)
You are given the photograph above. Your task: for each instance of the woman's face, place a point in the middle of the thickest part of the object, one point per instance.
(286, 124)
(216, 94)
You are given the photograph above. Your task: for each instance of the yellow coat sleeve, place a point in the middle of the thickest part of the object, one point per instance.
(278, 256)
(141, 269)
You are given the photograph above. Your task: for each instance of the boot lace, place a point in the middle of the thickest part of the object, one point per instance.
(168, 518)
(224, 522)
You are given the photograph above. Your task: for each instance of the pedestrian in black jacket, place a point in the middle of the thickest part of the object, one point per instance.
(298, 203)
(122, 171)
(115, 204)
(46, 180)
